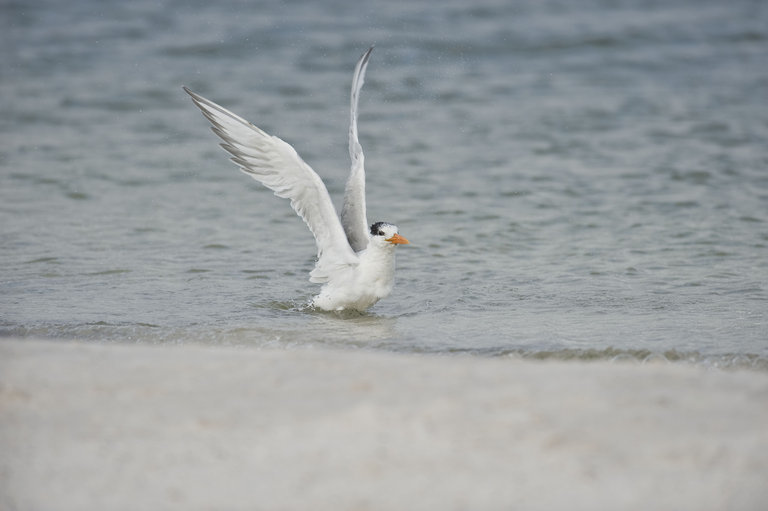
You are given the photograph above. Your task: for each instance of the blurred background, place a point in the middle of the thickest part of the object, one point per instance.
(579, 179)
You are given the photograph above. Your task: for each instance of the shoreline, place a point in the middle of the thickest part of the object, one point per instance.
(107, 426)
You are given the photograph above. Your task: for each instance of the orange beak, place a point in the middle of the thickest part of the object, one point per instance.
(398, 240)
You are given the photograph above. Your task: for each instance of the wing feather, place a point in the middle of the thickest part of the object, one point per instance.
(277, 165)
(353, 213)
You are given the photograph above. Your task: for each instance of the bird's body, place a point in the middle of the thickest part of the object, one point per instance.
(355, 263)
(361, 286)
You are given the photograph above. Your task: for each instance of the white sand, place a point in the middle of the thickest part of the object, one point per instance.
(110, 427)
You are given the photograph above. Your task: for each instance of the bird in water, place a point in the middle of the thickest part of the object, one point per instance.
(355, 261)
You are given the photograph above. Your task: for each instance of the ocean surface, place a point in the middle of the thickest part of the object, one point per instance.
(578, 179)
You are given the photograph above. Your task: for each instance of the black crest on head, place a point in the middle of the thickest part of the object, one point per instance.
(376, 229)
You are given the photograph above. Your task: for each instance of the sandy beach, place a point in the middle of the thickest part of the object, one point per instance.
(112, 427)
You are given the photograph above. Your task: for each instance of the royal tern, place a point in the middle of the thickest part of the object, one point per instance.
(355, 262)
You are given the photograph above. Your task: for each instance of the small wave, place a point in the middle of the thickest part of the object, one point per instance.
(721, 361)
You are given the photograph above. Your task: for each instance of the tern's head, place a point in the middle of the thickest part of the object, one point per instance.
(387, 234)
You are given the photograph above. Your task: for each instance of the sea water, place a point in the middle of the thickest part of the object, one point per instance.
(581, 179)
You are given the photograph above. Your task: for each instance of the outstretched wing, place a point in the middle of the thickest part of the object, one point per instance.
(276, 165)
(353, 216)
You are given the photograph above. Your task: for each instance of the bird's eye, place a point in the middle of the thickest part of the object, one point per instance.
(376, 229)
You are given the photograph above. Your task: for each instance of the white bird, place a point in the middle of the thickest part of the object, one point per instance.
(355, 263)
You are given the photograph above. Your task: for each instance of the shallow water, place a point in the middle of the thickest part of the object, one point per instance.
(578, 179)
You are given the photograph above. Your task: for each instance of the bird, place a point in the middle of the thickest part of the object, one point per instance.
(355, 261)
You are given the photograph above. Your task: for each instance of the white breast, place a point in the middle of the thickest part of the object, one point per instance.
(361, 286)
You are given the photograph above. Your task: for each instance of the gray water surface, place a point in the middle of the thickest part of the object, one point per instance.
(578, 179)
